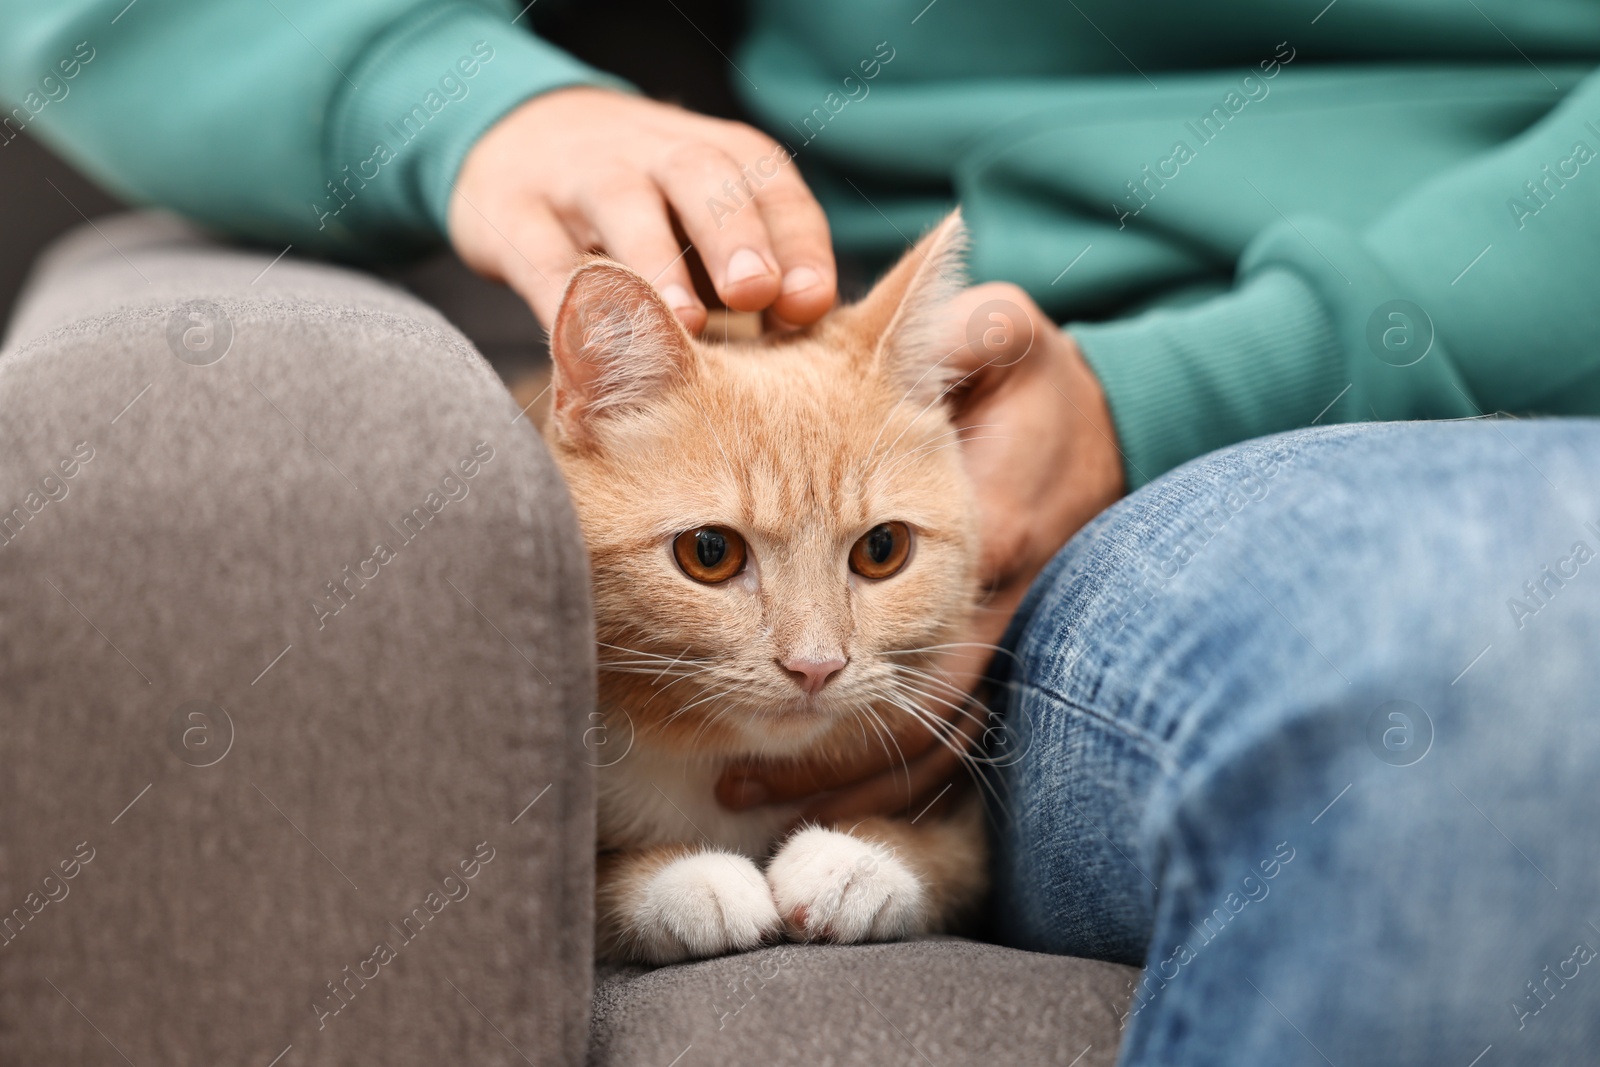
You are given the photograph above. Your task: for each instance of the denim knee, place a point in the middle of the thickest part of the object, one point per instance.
(1248, 616)
(1108, 661)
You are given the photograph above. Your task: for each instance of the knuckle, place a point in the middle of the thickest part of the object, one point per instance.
(745, 136)
(616, 183)
(790, 197)
(697, 157)
(1010, 292)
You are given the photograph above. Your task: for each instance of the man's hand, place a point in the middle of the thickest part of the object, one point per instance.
(586, 169)
(1040, 448)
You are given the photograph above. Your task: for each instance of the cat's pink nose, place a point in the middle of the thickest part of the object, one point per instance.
(811, 674)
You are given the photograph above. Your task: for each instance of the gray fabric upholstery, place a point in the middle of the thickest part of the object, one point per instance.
(240, 865)
(942, 1001)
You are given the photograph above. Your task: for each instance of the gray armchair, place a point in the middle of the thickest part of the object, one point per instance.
(335, 801)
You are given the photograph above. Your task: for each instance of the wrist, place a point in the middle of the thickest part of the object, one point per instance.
(431, 86)
(1101, 463)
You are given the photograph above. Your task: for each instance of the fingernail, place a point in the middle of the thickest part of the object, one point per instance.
(678, 298)
(800, 279)
(747, 793)
(744, 265)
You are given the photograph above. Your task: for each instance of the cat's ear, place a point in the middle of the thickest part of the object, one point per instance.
(615, 346)
(902, 315)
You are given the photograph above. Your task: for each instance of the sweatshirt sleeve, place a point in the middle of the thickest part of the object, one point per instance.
(1473, 294)
(336, 126)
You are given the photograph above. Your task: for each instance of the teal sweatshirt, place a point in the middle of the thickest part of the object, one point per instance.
(1252, 215)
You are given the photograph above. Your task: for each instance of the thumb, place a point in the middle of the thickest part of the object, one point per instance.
(988, 329)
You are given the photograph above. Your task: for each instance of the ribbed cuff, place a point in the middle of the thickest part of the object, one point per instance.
(416, 103)
(1316, 331)
(1181, 383)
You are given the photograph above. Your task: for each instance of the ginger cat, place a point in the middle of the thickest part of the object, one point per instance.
(782, 538)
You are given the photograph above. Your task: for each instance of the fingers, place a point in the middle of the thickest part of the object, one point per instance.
(800, 241)
(534, 259)
(992, 328)
(629, 176)
(713, 202)
(631, 219)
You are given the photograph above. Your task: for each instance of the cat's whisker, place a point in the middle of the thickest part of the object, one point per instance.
(706, 694)
(653, 665)
(711, 722)
(713, 694)
(909, 699)
(885, 737)
(645, 656)
(918, 695)
(936, 677)
(857, 711)
(944, 645)
(976, 768)
(656, 665)
(953, 648)
(647, 667)
(654, 679)
(898, 751)
(978, 765)
(964, 429)
(675, 659)
(706, 725)
(962, 709)
(657, 690)
(940, 729)
(907, 695)
(635, 651)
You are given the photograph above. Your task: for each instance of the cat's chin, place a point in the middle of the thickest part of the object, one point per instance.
(792, 726)
(787, 728)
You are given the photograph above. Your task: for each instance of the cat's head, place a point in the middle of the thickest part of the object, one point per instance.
(781, 531)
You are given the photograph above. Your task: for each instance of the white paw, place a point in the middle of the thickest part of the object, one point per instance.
(706, 904)
(833, 887)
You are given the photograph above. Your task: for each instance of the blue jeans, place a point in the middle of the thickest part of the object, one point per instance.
(1310, 728)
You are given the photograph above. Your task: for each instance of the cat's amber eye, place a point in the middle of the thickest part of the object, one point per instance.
(710, 554)
(882, 550)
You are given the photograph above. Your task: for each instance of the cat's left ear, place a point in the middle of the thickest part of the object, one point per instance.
(615, 346)
(902, 315)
